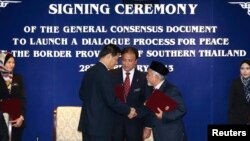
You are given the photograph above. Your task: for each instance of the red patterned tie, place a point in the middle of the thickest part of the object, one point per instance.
(127, 84)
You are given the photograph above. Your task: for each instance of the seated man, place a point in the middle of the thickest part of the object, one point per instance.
(3, 129)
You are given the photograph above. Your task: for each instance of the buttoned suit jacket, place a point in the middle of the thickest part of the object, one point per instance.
(17, 91)
(171, 126)
(135, 98)
(98, 102)
(238, 110)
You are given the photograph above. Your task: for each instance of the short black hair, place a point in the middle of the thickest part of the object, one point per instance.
(247, 61)
(132, 50)
(110, 48)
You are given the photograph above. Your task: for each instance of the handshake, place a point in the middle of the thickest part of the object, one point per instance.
(132, 113)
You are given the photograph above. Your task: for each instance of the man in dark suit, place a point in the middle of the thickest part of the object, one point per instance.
(99, 103)
(166, 126)
(125, 128)
(3, 129)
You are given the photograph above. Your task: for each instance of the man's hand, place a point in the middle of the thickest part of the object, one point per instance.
(17, 122)
(146, 133)
(132, 113)
(159, 114)
(167, 108)
(145, 103)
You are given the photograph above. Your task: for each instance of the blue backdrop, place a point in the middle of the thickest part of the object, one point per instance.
(55, 81)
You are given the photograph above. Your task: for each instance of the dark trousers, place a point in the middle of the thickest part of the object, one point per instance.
(16, 134)
(125, 131)
(124, 135)
(122, 138)
(86, 137)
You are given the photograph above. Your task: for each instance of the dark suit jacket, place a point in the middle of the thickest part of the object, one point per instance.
(99, 102)
(171, 127)
(135, 98)
(239, 109)
(3, 88)
(3, 129)
(17, 90)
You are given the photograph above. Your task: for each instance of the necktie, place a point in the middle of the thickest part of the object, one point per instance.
(127, 84)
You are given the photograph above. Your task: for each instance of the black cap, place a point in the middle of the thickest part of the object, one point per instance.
(159, 67)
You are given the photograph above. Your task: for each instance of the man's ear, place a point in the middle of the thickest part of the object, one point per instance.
(109, 56)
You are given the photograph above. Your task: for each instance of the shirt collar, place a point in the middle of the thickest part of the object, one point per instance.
(131, 72)
(159, 85)
(130, 75)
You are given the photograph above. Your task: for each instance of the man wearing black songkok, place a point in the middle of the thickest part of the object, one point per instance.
(165, 125)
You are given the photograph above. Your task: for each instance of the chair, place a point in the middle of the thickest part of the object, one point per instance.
(66, 119)
(7, 120)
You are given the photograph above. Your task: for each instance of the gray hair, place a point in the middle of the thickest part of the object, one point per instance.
(161, 77)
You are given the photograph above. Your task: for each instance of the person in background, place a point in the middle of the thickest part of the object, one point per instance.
(12, 87)
(166, 126)
(239, 97)
(4, 136)
(126, 129)
(98, 98)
